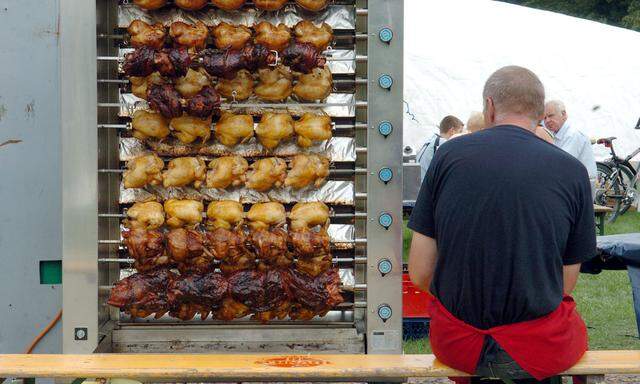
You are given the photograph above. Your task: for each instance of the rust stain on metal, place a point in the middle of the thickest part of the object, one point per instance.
(30, 110)
(293, 361)
(11, 141)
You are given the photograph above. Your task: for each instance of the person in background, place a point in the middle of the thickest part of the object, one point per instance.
(475, 122)
(449, 126)
(501, 225)
(569, 138)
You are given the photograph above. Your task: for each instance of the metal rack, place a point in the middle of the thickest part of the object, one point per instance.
(94, 256)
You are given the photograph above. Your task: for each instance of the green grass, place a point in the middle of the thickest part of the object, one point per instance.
(604, 300)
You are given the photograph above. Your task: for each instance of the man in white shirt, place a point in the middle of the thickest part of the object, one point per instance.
(449, 126)
(568, 138)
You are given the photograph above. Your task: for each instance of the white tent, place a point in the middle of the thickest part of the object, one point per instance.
(452, 46)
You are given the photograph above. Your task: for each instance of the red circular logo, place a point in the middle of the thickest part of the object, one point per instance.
(293, 361)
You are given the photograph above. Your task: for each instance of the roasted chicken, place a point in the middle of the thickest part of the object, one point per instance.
(150, 5)
(316, 263)
(314, 296)
(318, 36)
(192, 83)
(196, 293)
(275, 84)
(149, 215)
(143, 294)
(309, 215)
(170, 62)
(140, 62)
(186, 249)
(275, 38)
(183, 213)
(228, 5)
(266, 174)
(264, 293)
(270, 247)
(227, 63)
(227, 36)
(269, 5)
(188, 129)
(274, 128)
(229, 247)
(308, 244)
(231, 310)
(225, 214)
(143, 34)
(232, 129)
(140, 85)
(239, 88)
(314, 86)
(191, 5)
(143, 170)
(147, 124)
(266, 215)
(227, 171)
(165, 99)
(312, 128)
(204, 104)
(302, 57)
(307, 170)
(184, 171)
(146, 247)
(189, 35)
(309, 238)
(313, 5)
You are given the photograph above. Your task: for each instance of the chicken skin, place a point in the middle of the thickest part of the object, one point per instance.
(143, 170)
(184, 171)
(146, 247)
(140, 85)
(275, 38)
(314, 86)
(307, 170)
(313, 5)
(183, 213)
(188, 128)
(191, 5)
(239, 88)
(269, 5)
(227, 36)
(313, 128)
(150, 5)
(274, 128)
(142, 34)
(149, 215)
(266, 174)
(309, 215)
(146, 124)
(227, 171)
(228, 5)
(318, 36)
(189, 35)
(266, 215)
(192, 83)
(275, 84)
(234, 129)
(225, 214)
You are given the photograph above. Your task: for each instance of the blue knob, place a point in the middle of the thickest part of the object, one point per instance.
(385, 175)
(385, 266)
(385, 312)
(385, 128)
(385, 220)
(385, 35)
(385, 81)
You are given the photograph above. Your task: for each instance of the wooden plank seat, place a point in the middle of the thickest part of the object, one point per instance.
(265, 368)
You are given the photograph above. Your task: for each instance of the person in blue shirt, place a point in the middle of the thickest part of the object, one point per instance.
(449, 126)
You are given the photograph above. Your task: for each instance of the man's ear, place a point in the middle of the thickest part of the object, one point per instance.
(489, 112)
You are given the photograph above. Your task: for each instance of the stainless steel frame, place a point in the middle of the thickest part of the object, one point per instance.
(91, 216)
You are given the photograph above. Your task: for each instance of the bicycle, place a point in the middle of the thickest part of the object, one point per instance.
(617, 180)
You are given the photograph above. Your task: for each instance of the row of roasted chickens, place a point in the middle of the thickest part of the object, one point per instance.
(306, 170)
(233, 129)
(268, 295)
(232, 5)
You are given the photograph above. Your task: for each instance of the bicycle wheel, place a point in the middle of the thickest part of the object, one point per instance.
(627, 189)
(608, 191)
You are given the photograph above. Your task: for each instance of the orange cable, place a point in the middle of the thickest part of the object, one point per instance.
(44, 332)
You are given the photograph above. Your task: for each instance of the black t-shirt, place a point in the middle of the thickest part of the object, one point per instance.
(507, 210)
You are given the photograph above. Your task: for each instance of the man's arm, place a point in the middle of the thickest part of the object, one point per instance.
(570, 275)
(422, 260)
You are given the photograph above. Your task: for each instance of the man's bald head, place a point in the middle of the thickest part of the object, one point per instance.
(513, 95)
(475, 122)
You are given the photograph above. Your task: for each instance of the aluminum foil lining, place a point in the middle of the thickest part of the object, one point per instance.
(332, 192)
(336, 149)
(336, 105)
(341, 66)
(337, 16)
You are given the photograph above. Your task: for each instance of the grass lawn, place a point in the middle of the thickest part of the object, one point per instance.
(604, 300)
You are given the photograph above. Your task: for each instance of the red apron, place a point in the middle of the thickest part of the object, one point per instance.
(543, 347)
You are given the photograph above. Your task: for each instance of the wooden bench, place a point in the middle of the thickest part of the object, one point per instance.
(269, 368)
(601, 212)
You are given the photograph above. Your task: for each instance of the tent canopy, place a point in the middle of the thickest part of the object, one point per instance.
(451, 48)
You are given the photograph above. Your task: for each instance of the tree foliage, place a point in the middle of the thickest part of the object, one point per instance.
(622, 13)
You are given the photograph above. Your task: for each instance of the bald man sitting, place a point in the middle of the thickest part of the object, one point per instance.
(500, 227)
